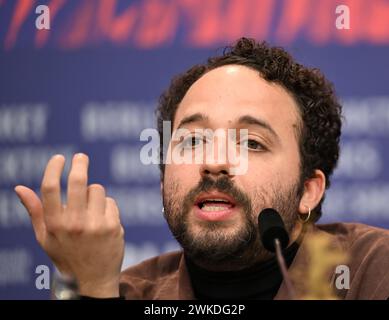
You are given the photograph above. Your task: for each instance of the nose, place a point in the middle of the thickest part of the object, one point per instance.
(215, 170)
(216, 164)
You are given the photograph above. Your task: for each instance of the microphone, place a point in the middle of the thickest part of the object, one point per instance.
(275, 238)
(271, 227)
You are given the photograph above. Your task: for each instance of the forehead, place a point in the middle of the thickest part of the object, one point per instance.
(228, 92)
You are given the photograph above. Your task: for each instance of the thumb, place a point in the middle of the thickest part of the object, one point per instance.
(33, 204)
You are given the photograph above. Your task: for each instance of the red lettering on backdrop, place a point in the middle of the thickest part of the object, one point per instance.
(358, 18)
(42, 36)
(235, 20)
(322, 21)
(294, 17)
(116, 28)
(259, 18)
(22, 9)
(158, 24)
(377, 24)
(249, 18)
(78, 30)
(154, 23)
(204, 21)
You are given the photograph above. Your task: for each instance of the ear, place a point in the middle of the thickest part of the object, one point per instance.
(314, 188)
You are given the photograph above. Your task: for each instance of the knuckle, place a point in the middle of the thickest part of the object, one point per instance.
(74, 228)
(78, 178)
(49, 187)
(53, 227)
(95, 229)
(111, 226)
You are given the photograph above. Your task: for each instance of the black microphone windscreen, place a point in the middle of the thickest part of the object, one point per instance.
(272, 227)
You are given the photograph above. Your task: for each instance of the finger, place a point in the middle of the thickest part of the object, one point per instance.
(112, 210)
(113, 216)
(96, 199)
(77, 183)
(33, 204)
(51, 186)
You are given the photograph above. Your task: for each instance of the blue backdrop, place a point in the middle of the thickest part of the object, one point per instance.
(90, 84)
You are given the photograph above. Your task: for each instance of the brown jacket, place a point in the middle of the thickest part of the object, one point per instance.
(165, 277)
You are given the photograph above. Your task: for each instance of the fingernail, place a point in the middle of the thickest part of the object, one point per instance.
(57, 155)
(20, 199)
(80, 155)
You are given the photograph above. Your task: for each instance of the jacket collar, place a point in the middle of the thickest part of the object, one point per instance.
(177, 286)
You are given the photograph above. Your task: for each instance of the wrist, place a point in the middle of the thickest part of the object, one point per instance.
(63, 286)
(107, 289)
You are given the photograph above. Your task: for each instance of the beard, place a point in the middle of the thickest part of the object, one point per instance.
(221, 246)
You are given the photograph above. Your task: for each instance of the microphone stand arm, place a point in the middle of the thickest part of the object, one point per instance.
(284, 271)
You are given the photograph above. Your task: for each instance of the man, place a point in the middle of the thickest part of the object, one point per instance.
(292, 123)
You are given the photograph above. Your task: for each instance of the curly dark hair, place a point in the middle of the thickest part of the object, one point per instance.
(320, 111)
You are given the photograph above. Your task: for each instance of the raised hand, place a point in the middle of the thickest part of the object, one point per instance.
(83, 238)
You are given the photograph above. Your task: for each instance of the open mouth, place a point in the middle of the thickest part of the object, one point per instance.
(214, 206)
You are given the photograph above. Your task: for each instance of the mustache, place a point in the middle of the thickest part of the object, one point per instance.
(222, 184)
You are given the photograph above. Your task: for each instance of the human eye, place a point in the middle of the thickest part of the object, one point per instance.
(192, 141)
(252, 144)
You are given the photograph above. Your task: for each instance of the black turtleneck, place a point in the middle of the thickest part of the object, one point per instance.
(260, 281)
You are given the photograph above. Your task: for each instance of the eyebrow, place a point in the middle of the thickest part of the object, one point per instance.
(246, 119)
(197, 117)
(250, 120)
